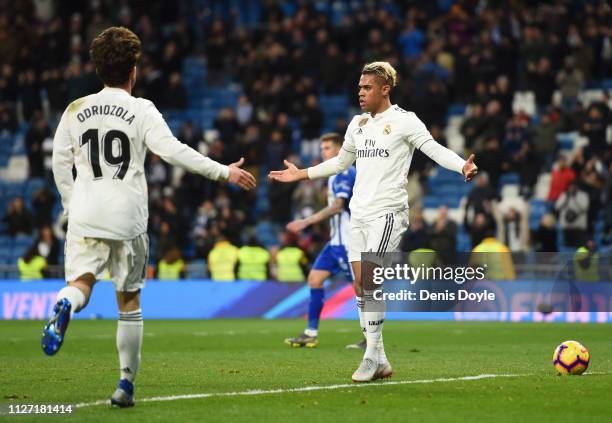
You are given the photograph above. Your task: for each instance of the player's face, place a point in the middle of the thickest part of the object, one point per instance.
(329, 150)
(372, 92)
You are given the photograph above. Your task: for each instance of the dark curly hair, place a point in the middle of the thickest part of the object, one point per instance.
(114, 53)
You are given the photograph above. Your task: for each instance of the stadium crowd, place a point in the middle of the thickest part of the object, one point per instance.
(474, 53)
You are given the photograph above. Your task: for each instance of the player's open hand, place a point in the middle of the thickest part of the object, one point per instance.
(240, 177)
(297, 225)
(469, 168)
(291, 174)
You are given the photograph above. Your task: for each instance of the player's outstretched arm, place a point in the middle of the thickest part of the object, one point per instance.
(160, 140)
(241, 177)
(449, 159)
(323, 214)
(326, 169)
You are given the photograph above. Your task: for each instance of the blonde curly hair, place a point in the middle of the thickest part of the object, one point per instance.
(383, 70)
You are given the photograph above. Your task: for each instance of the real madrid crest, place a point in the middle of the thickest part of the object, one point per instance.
(363, 121)
(387, 129)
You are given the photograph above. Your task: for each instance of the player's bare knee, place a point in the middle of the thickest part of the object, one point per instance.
(128, 301)
(315, 281)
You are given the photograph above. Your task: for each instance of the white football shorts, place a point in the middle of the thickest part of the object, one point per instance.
(125, 261)
(380, 235)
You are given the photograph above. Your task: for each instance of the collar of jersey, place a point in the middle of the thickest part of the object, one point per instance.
(385, 113)
(115, 90)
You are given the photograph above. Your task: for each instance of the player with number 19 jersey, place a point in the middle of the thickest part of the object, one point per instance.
(106, 136)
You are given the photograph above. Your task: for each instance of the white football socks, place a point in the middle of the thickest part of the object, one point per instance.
(362, 322)
(129, 342)
(74, 295)
(374, 316)
(311, 332)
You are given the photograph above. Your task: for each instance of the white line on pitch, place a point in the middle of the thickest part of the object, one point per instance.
(303, 389)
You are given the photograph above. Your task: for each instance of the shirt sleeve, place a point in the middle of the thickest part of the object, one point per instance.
(419, 136)
(332, 166)
(159, 139)
(345, 158)
(62, 162)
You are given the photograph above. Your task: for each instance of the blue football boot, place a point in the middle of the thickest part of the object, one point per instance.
(55, 330)
(124, 395)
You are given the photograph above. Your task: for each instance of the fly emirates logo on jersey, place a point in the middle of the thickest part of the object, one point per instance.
(370, 150)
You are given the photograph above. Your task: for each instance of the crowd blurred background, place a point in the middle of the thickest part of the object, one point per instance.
(524, 85)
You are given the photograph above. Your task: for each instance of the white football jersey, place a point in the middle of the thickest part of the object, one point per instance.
(106, 136)
(383, 147)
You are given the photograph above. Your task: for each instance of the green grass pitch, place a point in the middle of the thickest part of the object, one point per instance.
(211, 356)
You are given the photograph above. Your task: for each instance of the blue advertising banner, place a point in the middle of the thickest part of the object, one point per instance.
(205, 299)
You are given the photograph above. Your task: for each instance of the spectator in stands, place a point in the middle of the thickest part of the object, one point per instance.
(166, 240)
(515, 231)
(586, 263)
(8, 120)
(174, 95)
(442, 236)
(527, 164)
(227, 125)
(573, 208)
(171, 267)
(55, 88)
(502, 92)
(570, 81)
(516, 133)
(495, 122)
(31, 265)
(493, 161)
(483, 224)
(244, 110)
(222, 260)
(495, 257)
(307, 198)
(594, 128)
(417, 234)
(544, 135)
(290, 260)
(562, 176)
(472, 127)
(48, 245)
(541, 80)
(477, 199)
(17, 218)
(332, 69)
(39, 130)
(279, 195)
(43, 201)
(253, 261)
(157, 171)
(590, 180)
(29, 93)
(311, 123)
(545, 237)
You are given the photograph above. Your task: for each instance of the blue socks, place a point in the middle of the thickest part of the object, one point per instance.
(314, 308)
